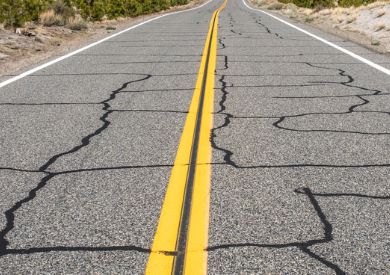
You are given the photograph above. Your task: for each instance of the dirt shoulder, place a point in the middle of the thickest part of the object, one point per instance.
(368, 25)
(35, 43)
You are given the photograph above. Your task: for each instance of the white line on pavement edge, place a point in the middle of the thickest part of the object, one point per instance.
(358, 57)
(13, 79)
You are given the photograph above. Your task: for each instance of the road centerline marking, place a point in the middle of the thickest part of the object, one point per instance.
(180, 241)
(73, 53)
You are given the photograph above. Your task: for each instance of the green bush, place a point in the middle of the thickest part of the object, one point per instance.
(356, 3)
(115, 8)
(133, 8)
(92, 9)
(311, 3)
(16, 12)
(63, 8)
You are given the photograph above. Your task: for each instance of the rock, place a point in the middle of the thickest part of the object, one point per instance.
(110, 28)
(3, 56)
(29, 33)
(24, 31)
(39, 39)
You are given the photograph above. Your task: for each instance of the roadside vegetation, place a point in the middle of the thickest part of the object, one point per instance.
(365, 22)
(15, 13)
(318, 4)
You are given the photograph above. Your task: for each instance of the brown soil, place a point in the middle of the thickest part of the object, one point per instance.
(35, 43)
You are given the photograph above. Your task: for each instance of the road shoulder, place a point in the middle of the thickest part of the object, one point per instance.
(361, 25)
(21, 52)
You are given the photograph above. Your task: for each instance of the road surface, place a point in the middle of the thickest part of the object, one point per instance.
(291, 177)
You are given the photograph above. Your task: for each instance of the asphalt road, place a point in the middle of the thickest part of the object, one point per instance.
(301, 151)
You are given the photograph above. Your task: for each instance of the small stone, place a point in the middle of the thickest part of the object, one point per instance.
(38, 39)
(3, 56)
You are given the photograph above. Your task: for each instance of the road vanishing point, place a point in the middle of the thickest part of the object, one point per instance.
(220, 140)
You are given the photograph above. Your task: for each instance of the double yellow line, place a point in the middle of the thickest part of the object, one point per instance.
(180, 241)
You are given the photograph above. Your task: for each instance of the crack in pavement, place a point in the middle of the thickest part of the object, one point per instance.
(85, 141)
(228, 117)
(305, 247)
(351, 109)
(267, 29)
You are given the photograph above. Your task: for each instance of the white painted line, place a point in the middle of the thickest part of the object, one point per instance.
(358, 57)
(13, 79)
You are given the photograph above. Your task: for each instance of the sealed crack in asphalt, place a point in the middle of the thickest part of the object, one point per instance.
(228, 154)
(228, 117)
(85, 141)
(303, 246)
(267, 29)
(351, 109)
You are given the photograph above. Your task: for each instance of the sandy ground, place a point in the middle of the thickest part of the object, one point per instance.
(38, 43)
(367, 25)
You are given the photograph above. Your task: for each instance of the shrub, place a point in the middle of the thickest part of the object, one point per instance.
(115, 8)
(63, 8)
(318, 4)
(91, 9)
(11, 13)
(34, 8)
(14, 13)
(133, 8)
(356, 3)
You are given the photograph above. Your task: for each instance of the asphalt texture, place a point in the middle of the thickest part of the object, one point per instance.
(301, 151)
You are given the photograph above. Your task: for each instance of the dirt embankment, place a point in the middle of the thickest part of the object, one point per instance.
(366, 25)
(34, 43)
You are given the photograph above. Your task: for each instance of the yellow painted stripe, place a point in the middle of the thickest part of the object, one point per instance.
(163, 249)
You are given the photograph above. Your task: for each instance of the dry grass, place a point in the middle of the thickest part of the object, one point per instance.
(377, 4)
(339, 19)
(309, 19)
(380, 13)
(378, 27)
(325, 12)
(77, 24)
(275, 6)
(351, 19)
(375, 42)
(49, 18)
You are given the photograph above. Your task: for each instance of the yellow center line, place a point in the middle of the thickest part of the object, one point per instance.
(180, 241)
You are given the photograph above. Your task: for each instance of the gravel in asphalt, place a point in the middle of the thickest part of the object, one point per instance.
(301, 151)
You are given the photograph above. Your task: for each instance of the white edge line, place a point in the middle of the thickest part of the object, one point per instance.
(20, 76)
(358, 57)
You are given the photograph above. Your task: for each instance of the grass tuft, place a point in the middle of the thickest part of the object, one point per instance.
(275, 6)
(381, 13)
(77, 24)
(49, 19)
(380, 26)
